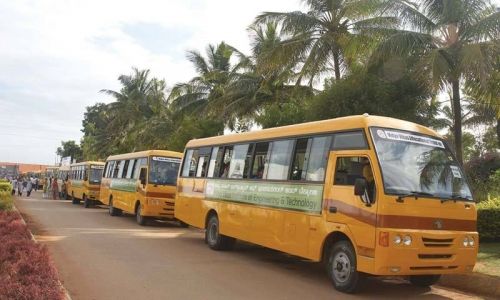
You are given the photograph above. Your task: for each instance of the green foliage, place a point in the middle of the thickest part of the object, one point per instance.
(281, 114)
(5, 196)
(483, 174)
(191, 128)
(488, 220)
(70, 148)
(363, 92)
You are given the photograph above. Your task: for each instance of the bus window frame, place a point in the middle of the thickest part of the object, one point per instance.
(367, 147)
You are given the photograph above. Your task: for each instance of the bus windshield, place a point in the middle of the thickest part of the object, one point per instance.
(163, 170)
(95, 174)
(416, 163)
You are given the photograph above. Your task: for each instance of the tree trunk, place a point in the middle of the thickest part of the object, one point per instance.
(336, 62)
(457, 119)
(498, 133)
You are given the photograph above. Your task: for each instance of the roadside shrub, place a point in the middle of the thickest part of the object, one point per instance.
(488, 220)
(483, 177)
(5, 200)
(26, 271)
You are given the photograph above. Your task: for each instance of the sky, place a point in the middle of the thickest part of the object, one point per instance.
(56, 55)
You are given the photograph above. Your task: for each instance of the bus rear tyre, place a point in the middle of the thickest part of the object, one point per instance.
(424, 280)
(139, 218)
(74, 200)
(86, 202)
(341, 267)
(113, 211)
(214, 239)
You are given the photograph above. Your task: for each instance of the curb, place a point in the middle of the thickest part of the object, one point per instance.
(14, 208)
(476, 283)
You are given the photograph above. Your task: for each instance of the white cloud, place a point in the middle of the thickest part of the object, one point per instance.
(57, 55)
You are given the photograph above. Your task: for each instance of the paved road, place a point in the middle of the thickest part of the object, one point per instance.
(103, 257)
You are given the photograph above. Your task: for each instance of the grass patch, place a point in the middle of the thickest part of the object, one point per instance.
(488, 259)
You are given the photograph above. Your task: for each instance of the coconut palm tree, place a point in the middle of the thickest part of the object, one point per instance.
(202, 94)
(453, 41)
(329, 36)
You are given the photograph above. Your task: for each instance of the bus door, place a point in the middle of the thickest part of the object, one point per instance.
(347, 169)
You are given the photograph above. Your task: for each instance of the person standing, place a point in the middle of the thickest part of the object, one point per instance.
(45, 188)
(14, 185)
(55, 189)
(29, 187)
(20, 187)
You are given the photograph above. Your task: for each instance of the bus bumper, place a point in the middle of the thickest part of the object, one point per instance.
(430, 252)
(158, 208)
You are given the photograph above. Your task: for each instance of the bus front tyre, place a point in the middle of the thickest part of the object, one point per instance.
(214, 239)
(341, 267)
(140, 219)
(113, 211)
(424, 280)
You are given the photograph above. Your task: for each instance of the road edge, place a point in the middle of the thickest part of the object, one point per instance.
(14, 208)
(476, 283)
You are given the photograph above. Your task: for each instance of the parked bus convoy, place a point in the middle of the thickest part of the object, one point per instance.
(141, 183)
(362, 194)
(84, 182)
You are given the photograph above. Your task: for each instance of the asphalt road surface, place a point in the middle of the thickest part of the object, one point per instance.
(104, 257)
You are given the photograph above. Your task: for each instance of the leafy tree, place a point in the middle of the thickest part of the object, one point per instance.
(70, 148)
(364, 92)
(454, 41)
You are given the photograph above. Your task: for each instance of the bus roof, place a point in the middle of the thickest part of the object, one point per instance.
(85, 163)
(310, 128)
(145, 154)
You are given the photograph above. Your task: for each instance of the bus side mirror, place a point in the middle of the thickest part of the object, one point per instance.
(359, 186)
(142, 176)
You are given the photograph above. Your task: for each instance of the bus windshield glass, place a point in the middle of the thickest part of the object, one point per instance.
(418, 164)
(163, 170)
(95, 174)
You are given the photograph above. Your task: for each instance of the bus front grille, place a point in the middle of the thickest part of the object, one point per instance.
(433, 242)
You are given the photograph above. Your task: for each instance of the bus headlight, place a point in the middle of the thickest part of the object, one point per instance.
(407, 240)
(468, 241)
(397, 239)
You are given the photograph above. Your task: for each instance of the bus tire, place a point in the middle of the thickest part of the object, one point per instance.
(424, 280)
(140, 219)
(214, 239)
(113, 211)
(86, 201)
(73, 199)
(341, 266)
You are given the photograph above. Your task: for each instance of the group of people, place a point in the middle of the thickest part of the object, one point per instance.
(21, 185)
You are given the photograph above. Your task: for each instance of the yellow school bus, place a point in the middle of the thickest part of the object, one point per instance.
(141, 183)
(363, 194)
(85, 182)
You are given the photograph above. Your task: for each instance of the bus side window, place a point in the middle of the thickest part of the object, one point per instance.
(125, 169)
(202, 164)
(318, 158)
(214, 166)
(260, 160)
(300, 159)
(226, 160)
(187, 163)
(131, 169)
(85, 173)
(142, 176)
(117, 168)
(279, 162)
(237, 165)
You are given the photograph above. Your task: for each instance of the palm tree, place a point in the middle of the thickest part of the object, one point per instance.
(202, 94)
(330, 36)
(453, 41)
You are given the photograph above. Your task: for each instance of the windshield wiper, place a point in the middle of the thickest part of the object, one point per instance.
(455, 198)
(413, 194)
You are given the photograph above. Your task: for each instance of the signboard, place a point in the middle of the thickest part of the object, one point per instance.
(410, 138)
(166, 159)
(66, 161)
(298, 197)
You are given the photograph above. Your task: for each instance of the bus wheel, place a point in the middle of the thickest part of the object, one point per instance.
(86, 201)
(342, 267)
(140, 219)
(113, 211)
(424, 280)
(214, 239)
(74, 200)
